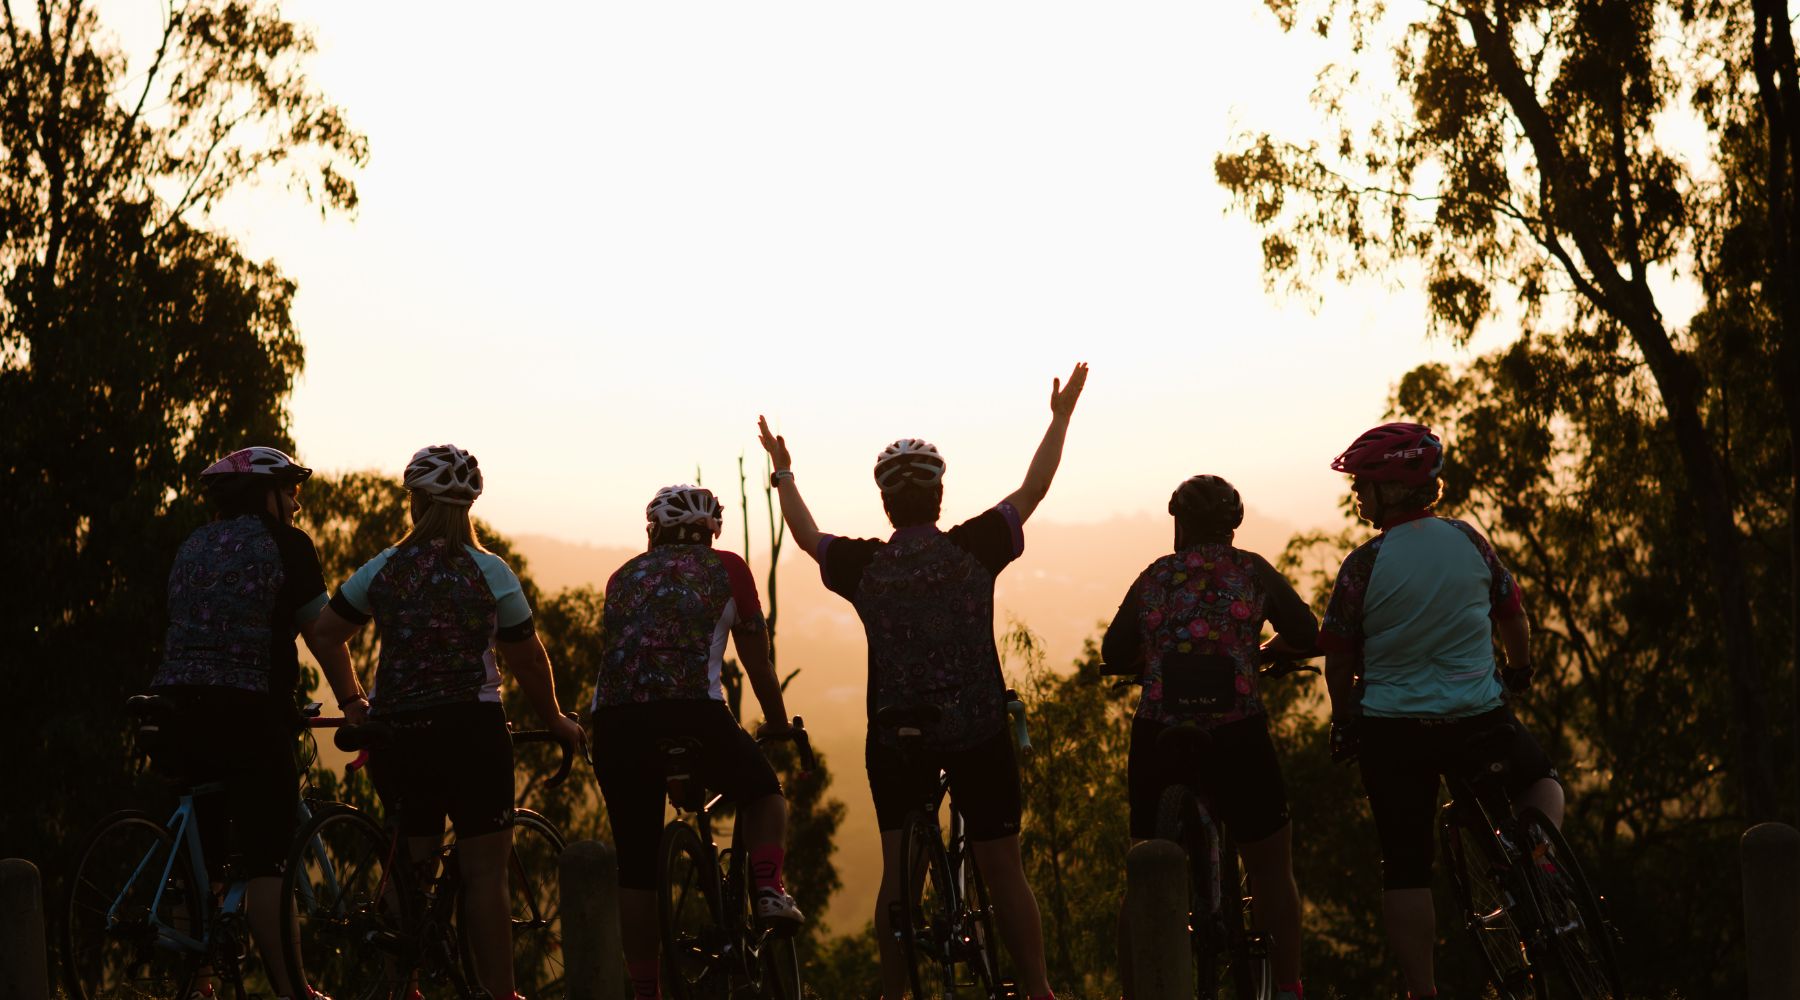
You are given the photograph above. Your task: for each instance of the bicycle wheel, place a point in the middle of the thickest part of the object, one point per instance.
(1487, 908)
(690, 912)
(1252, 976)
(781, 970)
(343, 933)
(978, 926)
(1180, 818)
(118, 897)
(930, 910)
(748, 968)
(533, 886)
(1576, 930)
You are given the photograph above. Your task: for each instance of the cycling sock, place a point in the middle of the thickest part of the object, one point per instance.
(1285, 990)
(643, 980)
(765, 867)
(1048, 996)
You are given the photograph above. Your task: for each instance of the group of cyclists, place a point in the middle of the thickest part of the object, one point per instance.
(1407, 639)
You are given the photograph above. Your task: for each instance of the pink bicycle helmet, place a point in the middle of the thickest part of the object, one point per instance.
(1403, 453)
(255, 465)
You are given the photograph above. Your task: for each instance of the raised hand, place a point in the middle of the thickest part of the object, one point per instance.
(774, 444)
(1062, 398)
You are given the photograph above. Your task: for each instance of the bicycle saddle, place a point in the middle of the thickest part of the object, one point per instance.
(1184, 740)
(908, 720)
(368, 736)
(1485, 751)
(677, 752)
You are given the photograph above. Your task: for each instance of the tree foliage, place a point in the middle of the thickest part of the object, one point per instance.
(136, 346)
(1524, 168)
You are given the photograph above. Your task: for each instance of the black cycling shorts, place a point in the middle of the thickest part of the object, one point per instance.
(1401, 761)
(633, 780)
(1238, 774)
(452, 760)
(245, 741)
(984, 784)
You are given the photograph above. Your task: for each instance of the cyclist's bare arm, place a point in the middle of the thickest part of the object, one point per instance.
(1515, 639)
(753, 652)
(1038, 476)
(1296, 630)
(793, 508)
(327, 638)
(530, 663)
(1340, 681)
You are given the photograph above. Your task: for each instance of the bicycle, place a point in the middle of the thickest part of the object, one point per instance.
(142, 915)
(944, 918)
(1227, 947)
(712, 947)
(1523, 899)
(365, 923)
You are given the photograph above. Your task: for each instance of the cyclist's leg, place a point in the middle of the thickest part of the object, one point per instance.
(1243, 775)
(984, 786)
(1400, 777)
(263, 786)
(1530, 778)
(896, 790)
(476, 766)
(735, 765)
(629, 768)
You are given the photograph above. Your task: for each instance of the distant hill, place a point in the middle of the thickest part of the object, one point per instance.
(1065, 587)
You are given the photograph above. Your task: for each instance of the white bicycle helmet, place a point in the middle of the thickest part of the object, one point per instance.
(445, 473)
(256, 464)
(682, 505)
(906, 462)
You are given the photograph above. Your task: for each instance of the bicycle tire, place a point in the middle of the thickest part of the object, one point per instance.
(931, 905)
(748, 941)
(780, 962)
(534, 890)
(691, 919)
(1487, 909)
(1180, 817)
(1252, 974)
(1576, 932)
(111, 907)
(978, 910)
(344, 934)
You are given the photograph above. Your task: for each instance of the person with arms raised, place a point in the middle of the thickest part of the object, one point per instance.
(926, 600)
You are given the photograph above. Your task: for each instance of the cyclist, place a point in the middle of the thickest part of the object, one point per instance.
(926, 600)
(444, 605)
(668, 614)
(243, 586)
(1413, 614)
(1190, 627)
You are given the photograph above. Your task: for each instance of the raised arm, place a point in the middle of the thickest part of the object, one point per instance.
(799, 520)
(1049, 453)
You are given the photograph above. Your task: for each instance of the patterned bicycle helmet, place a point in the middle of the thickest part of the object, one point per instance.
(1403, 453)
(682, 505)
(445, 473)
(907, 462)
(1207, 502)
(254, 466)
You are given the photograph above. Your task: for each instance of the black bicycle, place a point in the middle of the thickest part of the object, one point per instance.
(377, 924)
(712, 945)
(1520, 893)
(944, 919)
(1229, 951)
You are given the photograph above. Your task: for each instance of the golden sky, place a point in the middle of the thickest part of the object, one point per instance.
(596, 240)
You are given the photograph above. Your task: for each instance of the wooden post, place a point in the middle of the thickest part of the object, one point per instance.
(593, 957)
(23, 953)
(1771, 858)
(1156, 907)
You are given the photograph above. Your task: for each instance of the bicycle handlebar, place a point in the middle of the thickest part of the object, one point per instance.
(802, 745)
(522, 737)
(375, 735)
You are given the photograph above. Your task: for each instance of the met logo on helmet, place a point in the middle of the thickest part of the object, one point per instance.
(1405, 453)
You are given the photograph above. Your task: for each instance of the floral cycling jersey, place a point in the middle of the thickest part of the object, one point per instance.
(1191, 625)
(439, 606)
(1417, 603)
(926, 600)
(668, 614)
(239, 591)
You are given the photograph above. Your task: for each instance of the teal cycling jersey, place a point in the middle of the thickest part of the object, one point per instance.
(1418, 602)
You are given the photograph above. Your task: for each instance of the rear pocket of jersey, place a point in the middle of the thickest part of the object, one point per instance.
(1199, 682)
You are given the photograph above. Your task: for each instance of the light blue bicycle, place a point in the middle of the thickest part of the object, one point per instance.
(142, 915)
